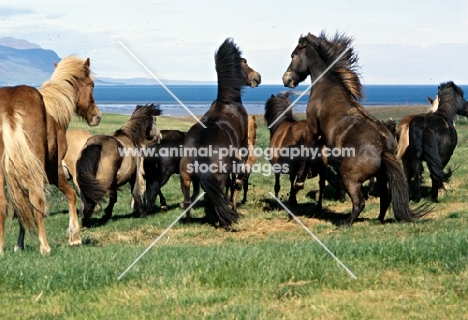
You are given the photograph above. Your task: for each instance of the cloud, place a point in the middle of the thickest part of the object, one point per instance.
(9, 12)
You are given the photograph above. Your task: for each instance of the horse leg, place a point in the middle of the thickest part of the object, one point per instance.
(246, 188)
(135, 187)
(74, 225)
(416, 169)
(87, 209)
(162, 201)
(385, 196)
(20, 242)
(185, 182)
(301, 173)
(322, 181)
(112, 200)
(355, 193)
(152, 190)
(294, 189)
(44, 245)
(277, 184)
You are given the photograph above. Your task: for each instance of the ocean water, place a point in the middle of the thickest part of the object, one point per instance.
(198, 98)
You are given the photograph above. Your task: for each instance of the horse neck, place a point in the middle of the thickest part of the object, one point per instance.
(132, 131)
(59, 101)
(316, 65)
(446, 110)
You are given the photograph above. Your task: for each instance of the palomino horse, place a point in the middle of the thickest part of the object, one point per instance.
(163, 162)
(108, 162)
(33, 144)
(433, 138)
(289, 133)
(236, 186)
(76, 139)
(402, 130)
(334, 113)
(224, 128)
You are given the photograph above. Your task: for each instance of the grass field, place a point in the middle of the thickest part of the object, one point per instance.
(269, 269)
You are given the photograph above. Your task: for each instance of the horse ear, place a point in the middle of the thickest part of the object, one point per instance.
(55, 64)
(311, 38)
(431, 101)
(254, 119)
(87, 63)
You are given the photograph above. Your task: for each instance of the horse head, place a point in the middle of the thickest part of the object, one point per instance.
(253, 77)
(85, 105)
(298, 69)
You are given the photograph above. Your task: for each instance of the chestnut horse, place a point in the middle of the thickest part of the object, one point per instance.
(32, 125)
(108, 162)
(224, 127)
(289, 133)
(433, 138)
(335, 114)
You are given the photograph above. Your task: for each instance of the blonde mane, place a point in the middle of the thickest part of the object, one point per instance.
(60, 91)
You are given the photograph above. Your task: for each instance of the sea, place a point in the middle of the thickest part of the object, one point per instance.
(122, 99)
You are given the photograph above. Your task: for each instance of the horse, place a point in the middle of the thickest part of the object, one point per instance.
(107, 162)
(288, 133)
(235, 188)
(223, 127)
(402, 130)
(76, 139)
(335, 114)
(163, 161)
(433, 138)
(32, 125)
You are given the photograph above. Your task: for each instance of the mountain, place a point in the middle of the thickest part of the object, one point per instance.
(23, 62)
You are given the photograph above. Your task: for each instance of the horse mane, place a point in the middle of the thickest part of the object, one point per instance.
(447, 92)
(135, 128)
(346, 68)
(59, 93)
(274, 108)
(231, 76)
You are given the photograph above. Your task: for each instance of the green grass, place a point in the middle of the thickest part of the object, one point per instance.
(270, 269)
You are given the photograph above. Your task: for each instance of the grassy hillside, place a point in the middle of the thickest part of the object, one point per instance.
(269, 269)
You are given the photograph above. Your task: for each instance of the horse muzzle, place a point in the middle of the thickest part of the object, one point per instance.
(288, 80)
(255, 80)
(95, 120)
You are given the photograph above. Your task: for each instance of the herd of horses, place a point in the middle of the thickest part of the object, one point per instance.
(36, 147)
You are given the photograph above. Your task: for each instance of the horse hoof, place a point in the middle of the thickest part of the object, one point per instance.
(299, 185)
(45, 251)
(17, 249)
(164, 208)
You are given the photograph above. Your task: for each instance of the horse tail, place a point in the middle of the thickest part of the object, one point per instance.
(399, 190)
(227, 216)
(86, 169)
(432, 158)
(24, 173)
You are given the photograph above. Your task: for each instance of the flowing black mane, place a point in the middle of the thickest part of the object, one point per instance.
(231, 76)
(274, 108)
(447, 94)
(139, 122)
(346, 68)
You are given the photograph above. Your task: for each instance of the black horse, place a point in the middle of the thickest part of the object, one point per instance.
(161, 165)
(335, 114)
(432, 138)
(223, 127)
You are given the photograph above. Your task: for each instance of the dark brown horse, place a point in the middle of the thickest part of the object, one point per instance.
(334, 113)
(433, 138)
(108, 162)
(224, 127)
(163, 162)
(33, 144)
(288, 133)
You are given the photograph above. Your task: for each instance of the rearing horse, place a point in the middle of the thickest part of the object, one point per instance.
(225, 126)
(32, 126)
(334, 113)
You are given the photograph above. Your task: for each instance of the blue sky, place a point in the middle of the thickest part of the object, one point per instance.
(398, 42)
